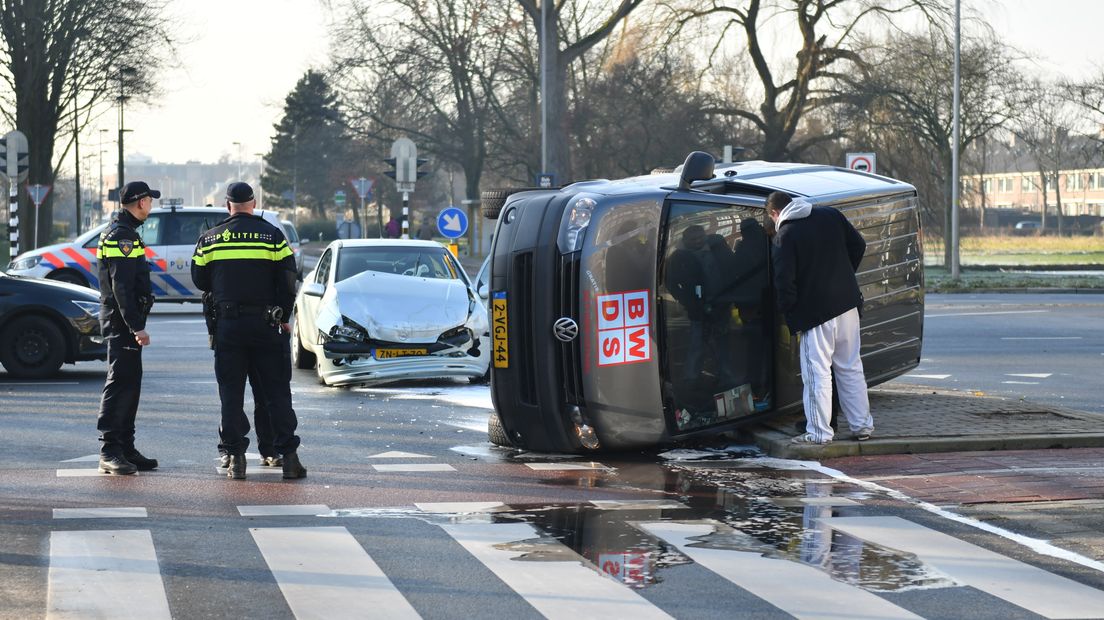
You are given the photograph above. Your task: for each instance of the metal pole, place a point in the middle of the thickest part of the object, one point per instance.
(238, 144)
(544, 84)
(954, 147)
(99, 191)
(76, 155)
(406, 216)
(379, 212)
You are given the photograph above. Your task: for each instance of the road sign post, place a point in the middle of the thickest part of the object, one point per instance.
(14, 146)
(363, 189)
(38, 195)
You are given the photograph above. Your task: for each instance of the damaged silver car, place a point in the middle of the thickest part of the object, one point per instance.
(379, 310)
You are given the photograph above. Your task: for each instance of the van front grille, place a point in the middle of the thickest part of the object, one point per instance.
(570, 353)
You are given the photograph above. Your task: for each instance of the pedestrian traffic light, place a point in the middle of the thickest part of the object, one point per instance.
(394, 163)
(418, 163)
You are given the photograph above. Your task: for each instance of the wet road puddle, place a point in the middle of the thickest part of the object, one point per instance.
(735, 506)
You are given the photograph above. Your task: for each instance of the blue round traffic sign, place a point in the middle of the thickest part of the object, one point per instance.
(452, 222)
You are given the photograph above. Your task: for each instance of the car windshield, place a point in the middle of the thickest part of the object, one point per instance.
(714, 316)
(423, 262)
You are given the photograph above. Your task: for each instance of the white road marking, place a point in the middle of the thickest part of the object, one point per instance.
(936, 316)
(773, 580)
(99, 513)
(399, 455)
(568, 466)
(1041, 338)
(1021, 584)
(105, 574)
(80, 473)
(323, 572)
(570, 589)
(41, 383)
(458, 507)
(1031, 375)
(912, 376)
(399, 467)
(288, 510)
(1021, 382)
(91, 458)
(253, 471)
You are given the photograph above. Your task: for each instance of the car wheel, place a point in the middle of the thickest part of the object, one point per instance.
(491, 201)
(68, 276)
(32, 347)
(496, 433)
(300, 356)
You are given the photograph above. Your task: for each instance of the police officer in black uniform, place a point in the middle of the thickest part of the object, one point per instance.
(125, 301)
(247, 265)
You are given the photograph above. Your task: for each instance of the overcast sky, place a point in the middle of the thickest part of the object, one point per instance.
(244, 56)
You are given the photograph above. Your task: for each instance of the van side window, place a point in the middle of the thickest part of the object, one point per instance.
(153, 229)
(714, 287)
(185, 228)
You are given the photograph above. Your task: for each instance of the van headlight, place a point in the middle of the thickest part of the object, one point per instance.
(22, 264)
(574, 224)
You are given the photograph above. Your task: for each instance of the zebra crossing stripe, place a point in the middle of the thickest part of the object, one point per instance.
(415, 467)
(1034, 589)
(568, 467)
(100, 513)
(557, 589)
(798, 589)
(324, 573)
(105, 574)
(284, 510)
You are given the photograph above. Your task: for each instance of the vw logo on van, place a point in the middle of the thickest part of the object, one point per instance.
(565, 329)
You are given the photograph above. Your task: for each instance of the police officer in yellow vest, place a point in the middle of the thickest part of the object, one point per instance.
(247, 265)
(125, 301)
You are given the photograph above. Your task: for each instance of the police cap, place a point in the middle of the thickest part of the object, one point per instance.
(137, 190)
(239, 192)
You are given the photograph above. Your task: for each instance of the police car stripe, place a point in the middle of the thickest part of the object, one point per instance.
(176, 284)
(82, 261)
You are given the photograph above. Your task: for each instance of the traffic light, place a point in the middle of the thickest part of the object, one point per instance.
(393, 162)
(418, 163)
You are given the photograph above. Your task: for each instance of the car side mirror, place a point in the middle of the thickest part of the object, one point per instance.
(314, 289)
(484, 291)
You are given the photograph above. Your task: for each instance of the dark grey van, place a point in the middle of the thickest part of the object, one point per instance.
(638, 312)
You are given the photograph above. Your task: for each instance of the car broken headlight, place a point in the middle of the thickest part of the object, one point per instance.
(348, 331)
(574, 224)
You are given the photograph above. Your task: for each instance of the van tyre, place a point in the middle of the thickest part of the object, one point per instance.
(491, 201)
(495, 433)
(32, 347)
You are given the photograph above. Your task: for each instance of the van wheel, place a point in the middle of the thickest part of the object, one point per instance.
(492, 200)
(32, 347)
(496, 433)
(300, 356)
(68, 276)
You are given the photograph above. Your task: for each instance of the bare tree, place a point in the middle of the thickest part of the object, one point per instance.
(828, 52)
(1046, 125)
(908, 101)
(66, 58)
(426, 69)
(592, 25)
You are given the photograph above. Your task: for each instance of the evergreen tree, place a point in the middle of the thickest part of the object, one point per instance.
(307, 161)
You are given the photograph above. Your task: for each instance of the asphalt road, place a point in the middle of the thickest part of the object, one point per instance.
(407, 510)
(1047, 349)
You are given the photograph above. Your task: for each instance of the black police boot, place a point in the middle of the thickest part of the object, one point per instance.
(224, 460)
(271, 461)
(292, 467)
(141, 462)
(116, 464)
(236, 470)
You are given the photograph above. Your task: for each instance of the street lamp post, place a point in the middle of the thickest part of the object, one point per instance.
(260, 177)
(99, 190)
(122, 98)
(238, 144)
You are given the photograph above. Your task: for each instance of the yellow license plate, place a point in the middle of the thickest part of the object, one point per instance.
(386, 354)
(500, 348)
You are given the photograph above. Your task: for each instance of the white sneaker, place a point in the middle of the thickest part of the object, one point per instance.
(864, 433)
(806, 439)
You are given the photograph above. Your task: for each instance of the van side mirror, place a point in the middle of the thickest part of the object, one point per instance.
(697, 167)
(314, 289)
(484, 291)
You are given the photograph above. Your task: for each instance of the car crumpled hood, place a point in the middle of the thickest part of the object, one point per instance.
(398, 308)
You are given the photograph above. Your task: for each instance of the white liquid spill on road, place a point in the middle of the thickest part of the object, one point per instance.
(474, 396)
(1041, 547)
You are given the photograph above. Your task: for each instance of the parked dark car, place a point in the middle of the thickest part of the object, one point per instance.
(640, 312)
(46, 323)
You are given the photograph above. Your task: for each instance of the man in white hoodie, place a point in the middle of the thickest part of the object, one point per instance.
(816, 253)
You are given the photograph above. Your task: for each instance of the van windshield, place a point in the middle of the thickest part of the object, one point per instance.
(716, 317)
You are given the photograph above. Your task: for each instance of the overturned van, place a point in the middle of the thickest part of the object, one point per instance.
(640, 312)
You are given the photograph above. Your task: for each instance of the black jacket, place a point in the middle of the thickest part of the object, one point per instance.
(815, 258)
(245, 259)
(125, 293)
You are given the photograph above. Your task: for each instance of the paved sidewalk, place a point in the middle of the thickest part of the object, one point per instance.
(910, 419)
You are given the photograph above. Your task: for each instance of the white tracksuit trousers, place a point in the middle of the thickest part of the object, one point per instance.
(833, 345)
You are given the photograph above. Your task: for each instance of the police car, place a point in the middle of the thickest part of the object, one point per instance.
(170, 235)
